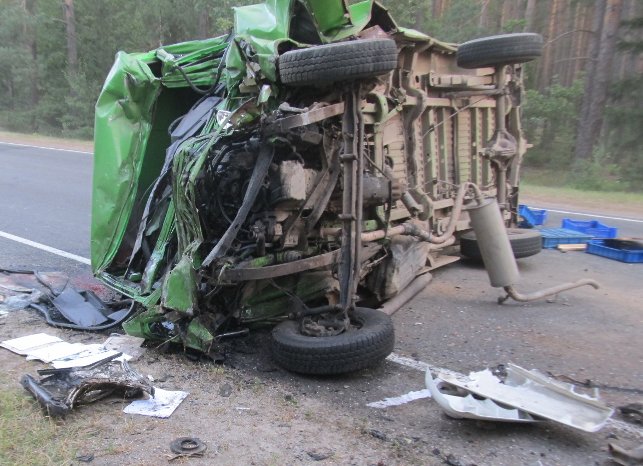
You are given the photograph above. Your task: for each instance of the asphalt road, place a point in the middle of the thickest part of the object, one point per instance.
(455, 324)
(46, 198)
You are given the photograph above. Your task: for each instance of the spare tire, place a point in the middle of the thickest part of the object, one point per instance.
(500, 50)
(524, 243)
(364, 346)
(341, 61)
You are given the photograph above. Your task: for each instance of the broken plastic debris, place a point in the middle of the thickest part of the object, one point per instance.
(402, 399)
(77, 309)
(536, 394)
(162, 405)
(462, 404)
(18, 302)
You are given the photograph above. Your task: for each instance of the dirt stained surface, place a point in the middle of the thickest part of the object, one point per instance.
(249, 411)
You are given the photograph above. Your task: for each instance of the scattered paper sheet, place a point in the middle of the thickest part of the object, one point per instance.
(128, 345)
(57, 350)
(162, 405)
(24, 345)
(86, 358)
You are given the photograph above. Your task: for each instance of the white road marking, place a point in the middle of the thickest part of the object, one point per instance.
(400, 400)
(44, 247)
(623, 219)
(46, 148)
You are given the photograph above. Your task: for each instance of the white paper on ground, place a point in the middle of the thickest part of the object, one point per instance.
(58, 350)
(24, 344)
(130, 346)
(85, 358)
(162, 405)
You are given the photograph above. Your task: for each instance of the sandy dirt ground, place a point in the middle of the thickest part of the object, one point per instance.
(249, 411)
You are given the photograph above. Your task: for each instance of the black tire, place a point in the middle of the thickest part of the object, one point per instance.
(348, 352)
(341, 61)
(524, 243)
(500, 50)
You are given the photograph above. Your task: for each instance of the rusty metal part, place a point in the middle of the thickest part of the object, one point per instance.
(258, 174)
(311, 311)
(272, 271)
(416, 286)
(307, 118)
(351, 216)
(327, 324)
(414, 230)
(523, 298)
(319, 197)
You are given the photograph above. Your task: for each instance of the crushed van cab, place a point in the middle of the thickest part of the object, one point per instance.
(306, 171)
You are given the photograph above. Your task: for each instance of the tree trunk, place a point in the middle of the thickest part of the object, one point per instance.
(483, 19)
(561, 39)
(582, 40)
(204, 25)
(595, 97)
(547, 59)
(29, 37)
(530, 16)
(72, 41)
(437, 8)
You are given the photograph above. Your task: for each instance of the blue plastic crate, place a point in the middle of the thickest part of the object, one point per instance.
(591, 227)
(552, 237)
(617, 250)
(531, 217)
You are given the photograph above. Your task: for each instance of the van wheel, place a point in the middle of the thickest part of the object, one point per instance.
(341, 61)
(369, 340)
(524, 243)
(504, 49)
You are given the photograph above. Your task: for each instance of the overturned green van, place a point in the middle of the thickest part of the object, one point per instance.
(305, 171)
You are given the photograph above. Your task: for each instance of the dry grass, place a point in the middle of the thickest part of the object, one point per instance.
(618, 203)
(28, 437)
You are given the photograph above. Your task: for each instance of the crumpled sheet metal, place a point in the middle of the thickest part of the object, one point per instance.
(463, 405)
(61, 390)
(536, 394)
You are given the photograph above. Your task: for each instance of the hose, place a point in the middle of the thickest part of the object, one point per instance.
(414, 230)
(392, 306)
(523, 298)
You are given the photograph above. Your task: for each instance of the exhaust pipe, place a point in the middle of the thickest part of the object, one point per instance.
(498, 257)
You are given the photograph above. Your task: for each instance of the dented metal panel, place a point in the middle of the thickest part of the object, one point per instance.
(226, 195)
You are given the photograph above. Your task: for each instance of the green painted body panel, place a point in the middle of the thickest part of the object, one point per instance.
(143, 94)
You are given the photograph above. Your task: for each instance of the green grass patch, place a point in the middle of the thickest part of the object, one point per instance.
(28, 437)
(617, 201)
